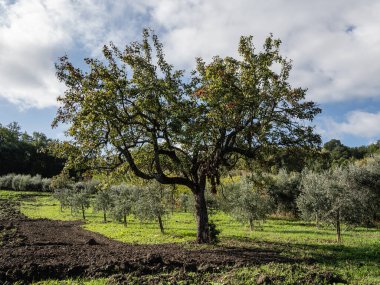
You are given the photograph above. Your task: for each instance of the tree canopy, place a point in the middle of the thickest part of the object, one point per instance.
(26, 154)
(132, 111)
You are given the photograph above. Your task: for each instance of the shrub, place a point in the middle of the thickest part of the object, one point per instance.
(6, 181)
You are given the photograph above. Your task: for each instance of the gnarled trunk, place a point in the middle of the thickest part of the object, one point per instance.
(203, 233)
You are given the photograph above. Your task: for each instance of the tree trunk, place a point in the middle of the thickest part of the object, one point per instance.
(84, 217)
(104, 216)
(125, 220)
(317, 220)
(251, 224)
(160, 223)
(203, 232)
(172, 200)
(338, 236)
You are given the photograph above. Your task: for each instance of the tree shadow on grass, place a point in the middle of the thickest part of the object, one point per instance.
(329, 254)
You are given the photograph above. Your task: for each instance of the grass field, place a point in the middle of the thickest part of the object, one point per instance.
(357, 260)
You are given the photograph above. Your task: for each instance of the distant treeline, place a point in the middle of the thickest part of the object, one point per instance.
(22, 153)
(339, 153)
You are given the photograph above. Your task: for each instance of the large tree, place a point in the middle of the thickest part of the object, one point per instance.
(131, 111)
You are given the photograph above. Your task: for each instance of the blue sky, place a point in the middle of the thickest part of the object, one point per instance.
(334, 46)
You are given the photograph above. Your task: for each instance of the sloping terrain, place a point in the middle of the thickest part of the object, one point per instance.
(32, 250)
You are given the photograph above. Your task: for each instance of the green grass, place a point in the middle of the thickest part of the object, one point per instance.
(356, 260)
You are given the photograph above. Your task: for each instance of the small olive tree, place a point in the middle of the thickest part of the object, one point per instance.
(63, 195)
(149, 203)
(184, 200)
(103, 202)
(246, 203)
(123, 197)
(79, 199)
(339, 195)
(312, 202)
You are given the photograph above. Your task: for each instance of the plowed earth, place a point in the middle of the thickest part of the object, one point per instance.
(38, 249)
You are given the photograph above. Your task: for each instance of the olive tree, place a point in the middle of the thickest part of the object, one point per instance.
(246, 203)
(103, 202)
(149, 203)
(312, 201)
(123, 197)
(132, 111)
(339, 195)
(79, 202)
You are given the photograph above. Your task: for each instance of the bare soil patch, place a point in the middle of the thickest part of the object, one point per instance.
(32, 250)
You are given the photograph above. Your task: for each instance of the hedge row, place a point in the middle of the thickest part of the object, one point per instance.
(19, 182)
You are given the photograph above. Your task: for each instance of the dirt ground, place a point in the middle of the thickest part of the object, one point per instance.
(32, 250)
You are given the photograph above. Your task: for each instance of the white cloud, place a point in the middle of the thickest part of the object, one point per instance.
(356, 123)
(333, 44)
(34, 33)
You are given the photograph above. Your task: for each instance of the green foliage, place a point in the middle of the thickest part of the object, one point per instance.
(311, 202)
(284, 190)
(342, 155)
(25, 183)
(356, 261)
(6, 181)
(123, 197)
(103, 202)
(214, 233)
(149, 203)
(79, 201)
(63, 196)
(341, 195)
(132, 111)
(185, 202)
(26, 154)
(246, 203)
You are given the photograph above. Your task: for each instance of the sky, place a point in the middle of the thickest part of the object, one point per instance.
(334, 46)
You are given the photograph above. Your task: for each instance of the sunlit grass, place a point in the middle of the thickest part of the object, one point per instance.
(357, 259)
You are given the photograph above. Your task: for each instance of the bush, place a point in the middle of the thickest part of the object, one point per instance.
(45, 182)
(21, 182)
(214, 232)
(80, 201)
(34, 183)
(284, 190)
(6, 181)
